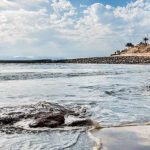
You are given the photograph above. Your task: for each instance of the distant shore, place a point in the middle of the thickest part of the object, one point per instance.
(92, 60)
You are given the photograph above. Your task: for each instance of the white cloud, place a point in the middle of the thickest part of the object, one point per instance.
(4, 4)
(133, 10)
(83, 6)
(135, 15)
(59, 25)
(62, 14)
(16, 24)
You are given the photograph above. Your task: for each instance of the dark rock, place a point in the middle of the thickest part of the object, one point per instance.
(18, 119)
(111, 60)
(11, 118)
(6, 120)
(81, 122)
(49, 119)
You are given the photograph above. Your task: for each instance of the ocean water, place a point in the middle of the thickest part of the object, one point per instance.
(112, 94)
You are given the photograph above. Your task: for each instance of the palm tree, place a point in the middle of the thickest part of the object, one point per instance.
(145, 40)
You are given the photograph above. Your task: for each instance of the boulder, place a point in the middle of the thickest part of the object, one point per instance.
(15, 119)
(11, 118)
(81, 122)
(48, 119)
(6, 120)
(74, 121)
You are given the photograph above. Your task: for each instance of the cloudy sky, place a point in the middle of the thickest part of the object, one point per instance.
(71, 28)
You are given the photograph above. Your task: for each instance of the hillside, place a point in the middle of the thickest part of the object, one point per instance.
(141, 49)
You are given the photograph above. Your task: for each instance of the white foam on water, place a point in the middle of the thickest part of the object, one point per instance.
(112, 94)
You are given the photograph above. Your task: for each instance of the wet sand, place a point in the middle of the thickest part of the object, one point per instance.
(123, 138)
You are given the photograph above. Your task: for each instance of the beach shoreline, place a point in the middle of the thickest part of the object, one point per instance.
(134, 137)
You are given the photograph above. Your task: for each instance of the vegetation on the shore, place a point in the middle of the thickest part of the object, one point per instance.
(141, 49)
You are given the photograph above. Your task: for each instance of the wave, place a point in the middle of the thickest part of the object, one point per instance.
(41, 75)
(5, 76)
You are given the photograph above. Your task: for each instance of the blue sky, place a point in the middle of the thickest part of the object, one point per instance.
(105, 2)
(70, 29)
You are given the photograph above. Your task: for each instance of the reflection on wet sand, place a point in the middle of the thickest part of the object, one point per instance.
(124, 138)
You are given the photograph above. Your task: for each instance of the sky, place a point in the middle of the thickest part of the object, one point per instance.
(70, 28)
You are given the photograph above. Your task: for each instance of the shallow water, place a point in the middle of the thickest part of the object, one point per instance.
(112, 94)
(46, 141)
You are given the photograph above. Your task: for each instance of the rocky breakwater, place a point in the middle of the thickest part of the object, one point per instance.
(41, 116)
(112, 60)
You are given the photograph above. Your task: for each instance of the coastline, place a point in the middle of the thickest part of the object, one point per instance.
(91, 60)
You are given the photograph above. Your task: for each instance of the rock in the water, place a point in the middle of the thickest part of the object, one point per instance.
(6, 120)
(74, 121)
(43, 114)
(48, 119)
(82, 122)
(11, 118)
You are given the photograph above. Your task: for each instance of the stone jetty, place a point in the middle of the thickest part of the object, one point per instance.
(111, 60)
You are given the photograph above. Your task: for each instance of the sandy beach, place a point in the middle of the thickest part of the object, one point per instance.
(123, 138)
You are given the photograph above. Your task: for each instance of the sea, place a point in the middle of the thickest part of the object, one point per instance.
(112, 94)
